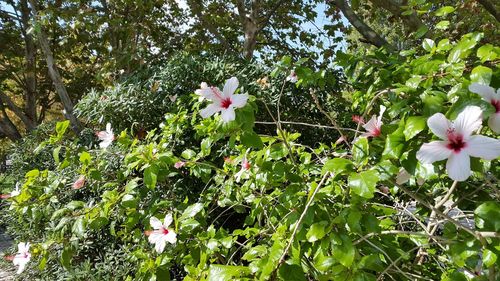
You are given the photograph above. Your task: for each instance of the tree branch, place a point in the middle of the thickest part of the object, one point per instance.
(367, 32)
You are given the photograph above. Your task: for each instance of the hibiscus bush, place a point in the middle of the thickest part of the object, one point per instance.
(406, 190)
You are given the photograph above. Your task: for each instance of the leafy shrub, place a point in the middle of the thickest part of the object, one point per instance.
(249, 204)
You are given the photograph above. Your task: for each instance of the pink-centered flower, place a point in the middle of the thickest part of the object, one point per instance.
(292, 77)
(79, 183)
(458, 143)
(488, 94)
(374, 126)
(106, 137)
(161, 233)
(22, 257)
(245, 166)
(224, 102)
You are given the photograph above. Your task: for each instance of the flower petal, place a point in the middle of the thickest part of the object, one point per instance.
(486, 92)
(494, 122)
(108, 127)
(168, 220)
(483, 147)
(228, 114)
(155, 223)
(371, 125)
(379, 119)
(433, 151)
(210, 110)
(160, 244)
(105, 143)
(458, 166)
(154, 237)
(468, 121)
(439, 125)
(230, 87)
(239, 101)
(208, 93)
(171, 237)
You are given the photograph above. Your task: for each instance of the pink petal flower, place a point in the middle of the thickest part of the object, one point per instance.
(374, 126)
(179, 164)
(79, 183)
(22, 257)
(293, 78)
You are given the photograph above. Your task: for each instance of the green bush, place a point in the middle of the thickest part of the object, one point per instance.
(270, 205)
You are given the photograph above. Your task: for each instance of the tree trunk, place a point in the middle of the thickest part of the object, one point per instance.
(251, 30)
(367, 32)
(7, 101)
(490, 7)
(55, 76)
(249, 23)
(30, 73)
(7, 128)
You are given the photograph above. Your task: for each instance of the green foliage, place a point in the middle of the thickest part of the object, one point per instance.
(305, 208)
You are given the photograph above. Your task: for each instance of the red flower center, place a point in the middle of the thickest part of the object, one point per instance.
(164, 231)
(455, 141)
(225, 103)
(496, 104)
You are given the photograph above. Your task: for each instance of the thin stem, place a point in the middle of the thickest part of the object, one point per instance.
(295, 229)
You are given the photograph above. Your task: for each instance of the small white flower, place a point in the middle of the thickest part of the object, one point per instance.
(225, 101)
(488, 94)
(22, 257)
(161, 233)
(106, 137)
(458, 143)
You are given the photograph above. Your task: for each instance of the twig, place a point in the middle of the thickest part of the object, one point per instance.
(334, 123)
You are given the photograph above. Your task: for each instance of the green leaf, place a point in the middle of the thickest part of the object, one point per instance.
(443, 25)
(73, 205)
(360, 151)
(205, 146)
(394, 144)
(337, 166)
(428, 44)
(79, 227)
(188, 154)
(251, 139)
(413, 82)
(61, 128)
(150, 176)
(413, 126)
(55, 154)
(291, 272)
(481, 74)
(421, 31)
(487, 53)
(219, 272)
(444, 45)
(317, 231)
(343, 250)
(443, 11)
(489, 258)
(85, 158)
(364, 183)
(98, 223)
(191, 211)
(66, 256)
(488, 216)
